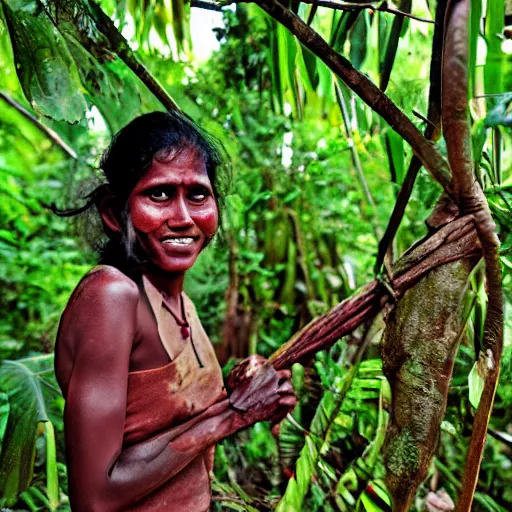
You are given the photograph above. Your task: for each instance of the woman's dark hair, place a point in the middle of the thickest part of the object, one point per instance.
(157, 135)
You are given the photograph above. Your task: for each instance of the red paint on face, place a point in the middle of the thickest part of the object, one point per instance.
(173, 211)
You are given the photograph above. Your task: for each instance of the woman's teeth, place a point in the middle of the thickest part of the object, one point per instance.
(179, 241)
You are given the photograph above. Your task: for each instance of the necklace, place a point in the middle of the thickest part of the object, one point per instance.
(183, 324)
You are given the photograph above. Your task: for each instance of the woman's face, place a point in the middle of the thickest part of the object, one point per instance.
(174, 211)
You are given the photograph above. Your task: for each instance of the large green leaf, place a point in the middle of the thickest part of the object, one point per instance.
(358, 42)
(474, 32)
(45, 68)
(341, 25)
(52, 476)
(30, 386)
(396, 155)
(110, 86)
(180, 10)
(501, 113)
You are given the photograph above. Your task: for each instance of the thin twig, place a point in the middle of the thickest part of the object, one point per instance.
(502, 437)
(432, 132)
(355, 158)
(423, 118)
(329, 4)
(431, 158)
(209, 6)
(53, 136)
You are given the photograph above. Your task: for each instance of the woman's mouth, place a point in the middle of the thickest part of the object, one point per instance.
(182, 241)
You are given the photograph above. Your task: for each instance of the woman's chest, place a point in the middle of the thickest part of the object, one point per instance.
(171, 391)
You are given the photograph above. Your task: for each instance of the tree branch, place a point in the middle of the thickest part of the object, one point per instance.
(329, 4)
(454, 241)
(430, 157)
(53, 136)
(457, 133)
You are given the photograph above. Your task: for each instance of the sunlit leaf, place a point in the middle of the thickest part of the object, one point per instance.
(4, 415)
(476, 385)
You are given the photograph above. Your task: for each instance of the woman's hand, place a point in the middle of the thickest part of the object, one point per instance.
(259, 393)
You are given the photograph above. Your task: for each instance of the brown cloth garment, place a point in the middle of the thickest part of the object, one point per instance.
(162, 398)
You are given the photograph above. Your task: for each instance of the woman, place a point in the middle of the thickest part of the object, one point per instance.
(145, 401)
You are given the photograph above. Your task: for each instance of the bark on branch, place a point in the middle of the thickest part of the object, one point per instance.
(429, 156)
(454, 241)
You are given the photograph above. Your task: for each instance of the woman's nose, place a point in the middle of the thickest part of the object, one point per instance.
(179, 215)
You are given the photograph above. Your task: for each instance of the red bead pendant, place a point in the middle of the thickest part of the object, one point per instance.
(185, 331)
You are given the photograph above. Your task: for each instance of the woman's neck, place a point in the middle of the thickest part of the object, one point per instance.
(169, 284)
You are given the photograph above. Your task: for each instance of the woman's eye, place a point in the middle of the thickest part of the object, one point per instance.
(159, 194)
(198, 196)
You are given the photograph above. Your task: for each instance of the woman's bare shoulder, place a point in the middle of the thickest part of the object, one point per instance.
(101, 310)
(103, 298)
(104, 282)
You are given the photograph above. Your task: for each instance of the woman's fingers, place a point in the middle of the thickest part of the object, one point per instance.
(284, 375)
(286, 388)
(288, 401)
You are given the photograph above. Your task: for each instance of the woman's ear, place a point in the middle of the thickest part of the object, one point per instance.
(108, 213)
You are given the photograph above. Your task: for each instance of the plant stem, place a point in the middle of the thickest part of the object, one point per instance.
(52, 135)
(355, 158)
(432, 132)
(457, 133)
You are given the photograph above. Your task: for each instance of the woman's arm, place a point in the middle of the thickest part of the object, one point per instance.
(102, 477)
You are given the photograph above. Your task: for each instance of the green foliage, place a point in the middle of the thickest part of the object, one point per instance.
(46, 70)
(300, 230)
(30, 387)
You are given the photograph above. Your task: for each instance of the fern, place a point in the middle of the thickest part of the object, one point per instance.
(344, 408)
